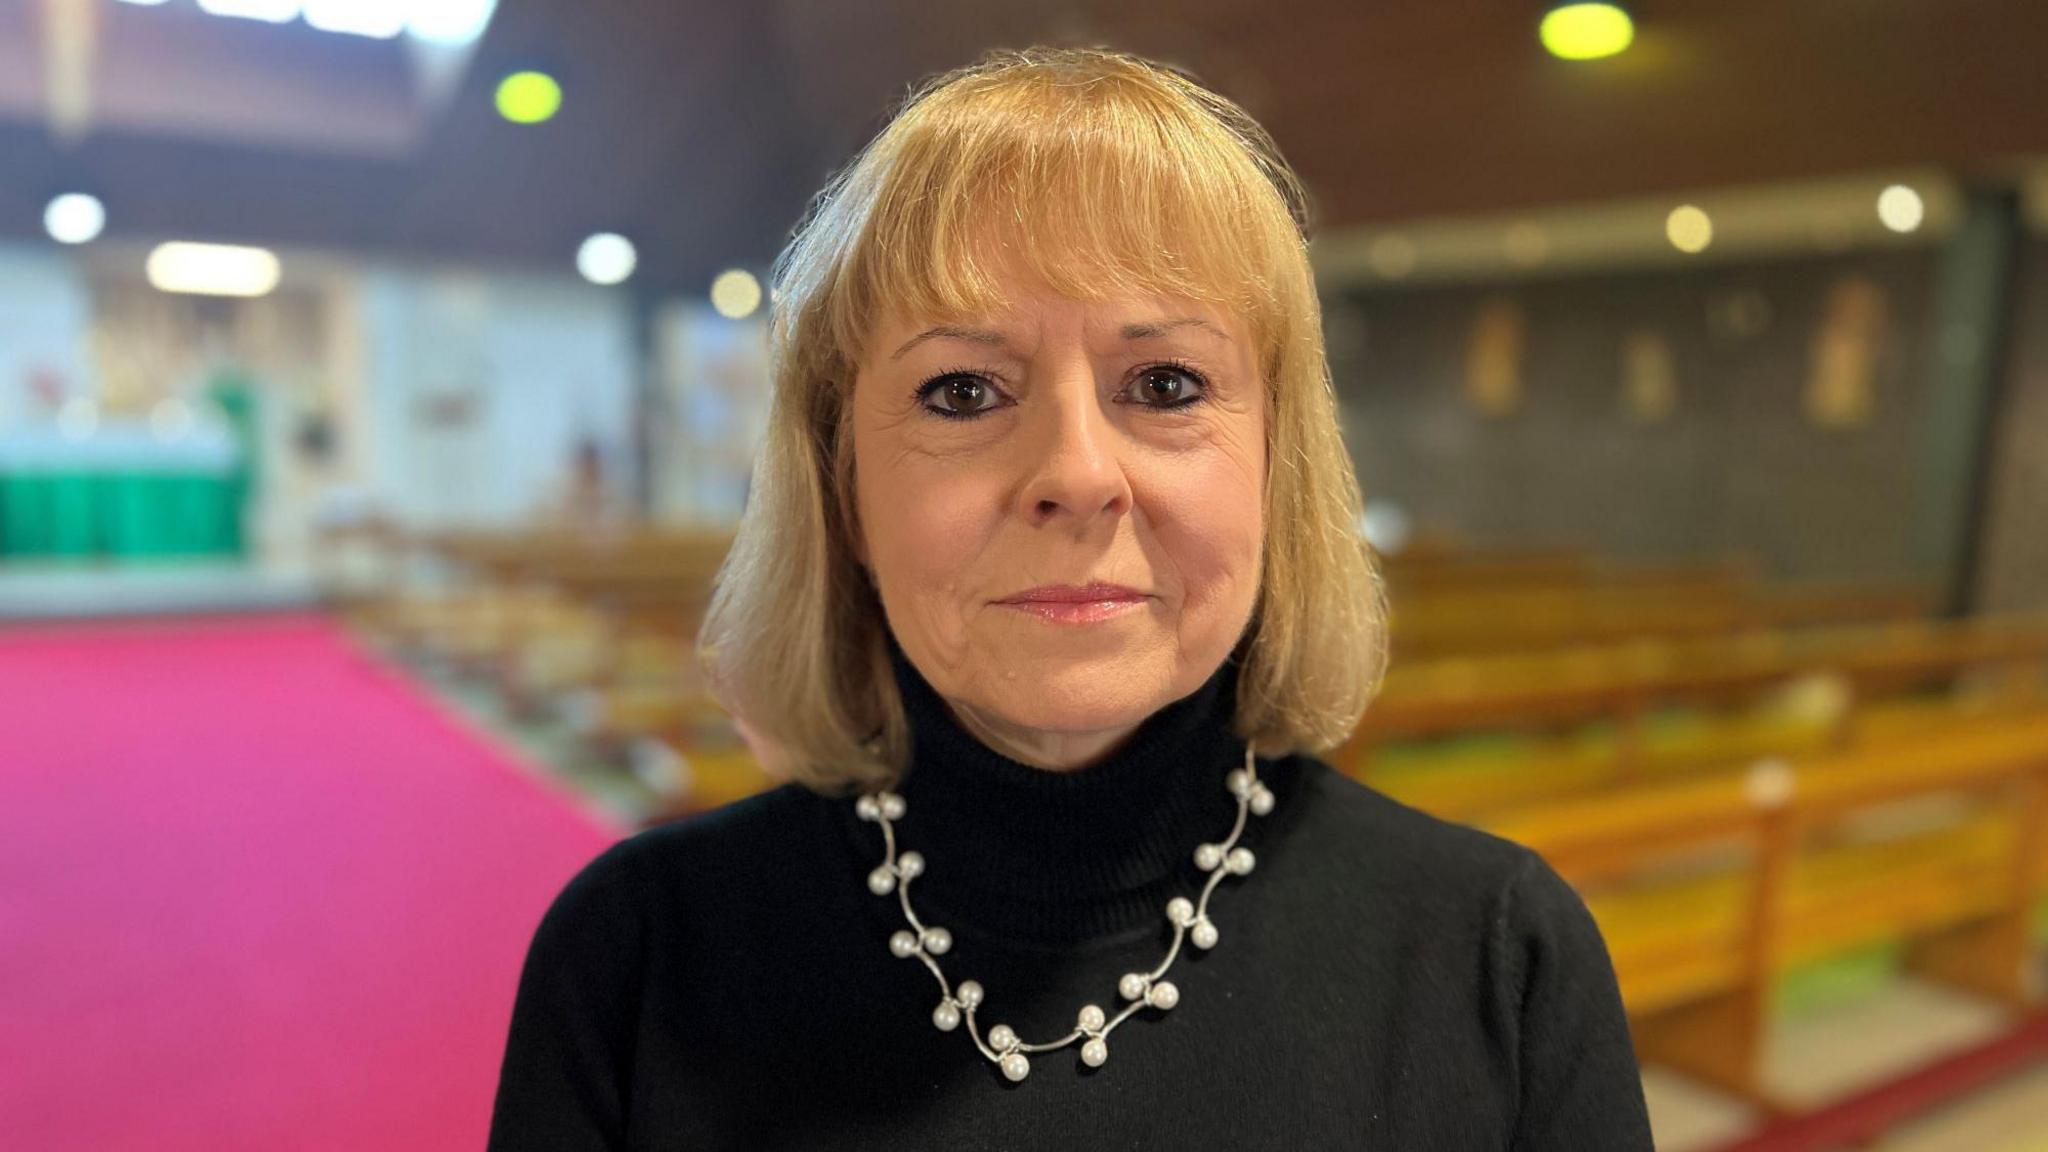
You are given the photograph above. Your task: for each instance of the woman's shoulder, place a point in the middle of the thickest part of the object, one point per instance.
(1397, 835)
(704, 846)
(1428, 863)
(738, 837)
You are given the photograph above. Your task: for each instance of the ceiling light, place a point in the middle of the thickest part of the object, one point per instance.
(379, 19)
(1586, 31)
(450, 21)
(272, 11)
(529, 97)
(1689, 229)
(735, 294)
(1900, 208)
(606, 258)
(212, 269)
(75, 218)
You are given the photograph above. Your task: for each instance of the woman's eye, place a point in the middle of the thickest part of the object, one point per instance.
(1165, 386)
(959, 396)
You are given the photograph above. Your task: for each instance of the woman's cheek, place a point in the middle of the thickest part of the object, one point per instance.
(1217, 548)
(934, 533)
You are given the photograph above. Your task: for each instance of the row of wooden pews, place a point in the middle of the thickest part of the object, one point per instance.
(1742, 802)
(1442, 606)
(1708, 890)
(593, 628)
(1562, 722)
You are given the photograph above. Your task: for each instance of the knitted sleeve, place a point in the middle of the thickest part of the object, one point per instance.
(1579, 1087)
(569, 1053)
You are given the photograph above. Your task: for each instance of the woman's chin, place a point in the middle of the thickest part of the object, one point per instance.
(1081, 692)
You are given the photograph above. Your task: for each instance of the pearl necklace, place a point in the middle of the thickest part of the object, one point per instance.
(1003, 1046)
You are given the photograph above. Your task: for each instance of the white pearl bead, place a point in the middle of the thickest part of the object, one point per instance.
(1262, 801)
(1164, 995)
(903, 944)
(968, 994)
(1094, 1053)
(946, 1016)
(882, 881)
(1208, 856)
(1092, 1018)
(1241, 860)
(938, 941)
(1002, 1038)
(1239, 782)
(910, 865)
(1204, 934)
(867, 808)
(1016, 1067)
(892, 806)
(1180, 910)
(1133, 985)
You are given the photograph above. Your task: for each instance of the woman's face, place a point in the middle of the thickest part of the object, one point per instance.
(1062, 507)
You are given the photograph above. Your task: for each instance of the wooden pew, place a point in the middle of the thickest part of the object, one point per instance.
(1626, 686)
(512, 591)
(1447, 603)
(1428, 624)
(1478, 571)
(1789, 879)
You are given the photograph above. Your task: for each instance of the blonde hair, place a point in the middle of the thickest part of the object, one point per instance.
(1101, 172)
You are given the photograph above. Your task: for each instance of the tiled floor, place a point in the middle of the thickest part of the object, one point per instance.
(1688, 1117)
(1823, 1055)
(1826, 1055)
(2009, 1117)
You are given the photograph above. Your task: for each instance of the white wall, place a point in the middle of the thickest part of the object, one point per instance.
(45, 325)
(537, 363)
(715, 384)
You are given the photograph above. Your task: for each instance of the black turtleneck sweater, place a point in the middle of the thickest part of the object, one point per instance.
(1383, 980)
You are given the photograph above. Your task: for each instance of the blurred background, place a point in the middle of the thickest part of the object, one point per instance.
(379, 385)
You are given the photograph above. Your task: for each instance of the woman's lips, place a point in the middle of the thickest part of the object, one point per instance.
(1071, 604)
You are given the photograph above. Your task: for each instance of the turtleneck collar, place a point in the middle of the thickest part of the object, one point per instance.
(1029, 856)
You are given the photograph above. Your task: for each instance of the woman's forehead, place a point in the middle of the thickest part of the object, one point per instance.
(1125, 313)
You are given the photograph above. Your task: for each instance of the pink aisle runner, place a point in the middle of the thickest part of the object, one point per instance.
(256, 892)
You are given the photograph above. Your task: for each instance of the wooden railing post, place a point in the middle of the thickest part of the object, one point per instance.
(1720, 1040)
(1993, 957)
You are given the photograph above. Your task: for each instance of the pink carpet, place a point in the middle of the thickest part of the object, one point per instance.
(256, 892)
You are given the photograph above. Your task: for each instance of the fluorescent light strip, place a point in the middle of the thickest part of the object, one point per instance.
(378, 19)
(454, 22)
(212, 269)
(450, 21)
(270, 11)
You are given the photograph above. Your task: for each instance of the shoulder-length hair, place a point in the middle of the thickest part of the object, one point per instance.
(1101, 172)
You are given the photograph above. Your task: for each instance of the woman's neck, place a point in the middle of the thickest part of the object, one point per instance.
(1054, 751)
(1089, 852)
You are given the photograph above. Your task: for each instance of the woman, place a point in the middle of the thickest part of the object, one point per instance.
(1046, 594)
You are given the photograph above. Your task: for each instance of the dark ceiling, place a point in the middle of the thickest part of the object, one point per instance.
(700, 128)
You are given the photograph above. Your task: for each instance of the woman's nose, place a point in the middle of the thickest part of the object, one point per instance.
(1073, 457)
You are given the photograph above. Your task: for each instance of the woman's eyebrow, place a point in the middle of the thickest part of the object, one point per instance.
(1149, 329)
(951, 332)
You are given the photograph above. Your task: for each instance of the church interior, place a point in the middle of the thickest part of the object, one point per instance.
(381, 384)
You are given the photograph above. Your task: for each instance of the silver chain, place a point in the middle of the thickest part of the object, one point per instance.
(1142, 989)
